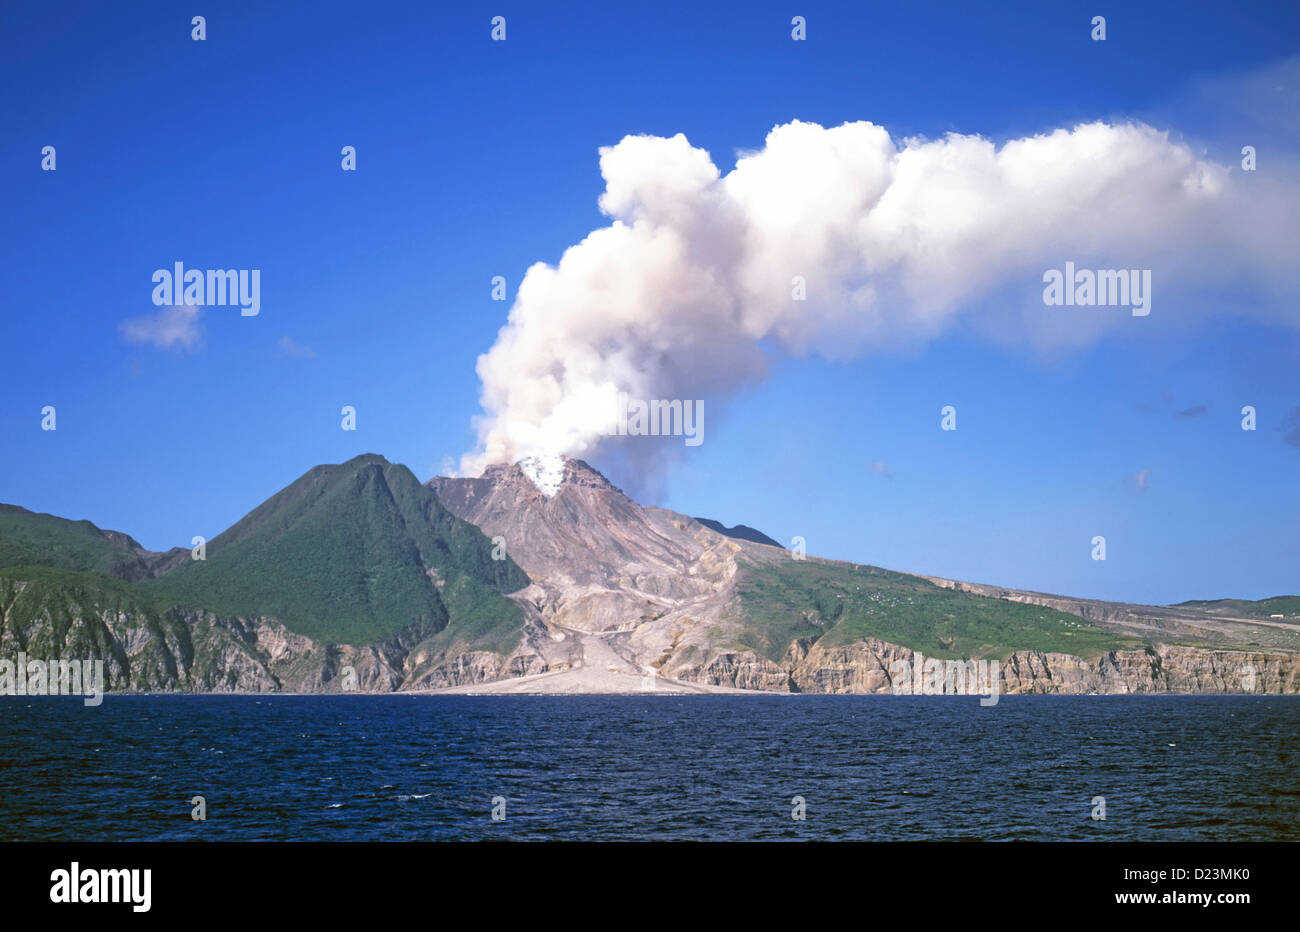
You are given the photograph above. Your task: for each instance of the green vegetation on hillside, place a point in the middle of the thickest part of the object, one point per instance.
(43, 586)
(31, 539)
(54, 612)
(355, 554)
(843, 604)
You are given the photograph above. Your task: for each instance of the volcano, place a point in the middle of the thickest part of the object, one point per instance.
(632, 597)
(620, 588)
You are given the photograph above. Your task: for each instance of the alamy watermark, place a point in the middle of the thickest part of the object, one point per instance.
(79, 884)
(1100, 288)
(924, 676)
(636, 417)
(53, 678)
(240, 288)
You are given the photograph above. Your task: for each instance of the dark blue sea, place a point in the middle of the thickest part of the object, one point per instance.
(354, 768)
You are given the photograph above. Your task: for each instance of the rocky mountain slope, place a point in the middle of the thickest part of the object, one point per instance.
(655, 598)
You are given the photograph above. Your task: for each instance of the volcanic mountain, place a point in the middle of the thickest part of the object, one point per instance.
(542, 576)
(624, 590)
(619, 587)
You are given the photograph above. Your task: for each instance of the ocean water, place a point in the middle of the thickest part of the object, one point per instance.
(412, 768)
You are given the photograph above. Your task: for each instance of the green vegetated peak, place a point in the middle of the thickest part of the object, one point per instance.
(353, 553)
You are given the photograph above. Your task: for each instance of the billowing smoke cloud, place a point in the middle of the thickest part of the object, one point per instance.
(693, 287)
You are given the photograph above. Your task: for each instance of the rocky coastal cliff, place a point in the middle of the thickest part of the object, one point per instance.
(181, 650)
(198, 651)
(866, 667)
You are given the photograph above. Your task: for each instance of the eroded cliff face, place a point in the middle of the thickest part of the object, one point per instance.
(198, 651)
(475, 667)
(867, 667)
(181, 650)
(1158, 669)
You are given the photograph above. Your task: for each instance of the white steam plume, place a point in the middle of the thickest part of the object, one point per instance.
(689, 291)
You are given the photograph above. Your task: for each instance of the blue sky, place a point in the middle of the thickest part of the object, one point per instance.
(478, 159)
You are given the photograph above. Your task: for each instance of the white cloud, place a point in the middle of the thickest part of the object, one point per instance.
(172, 327)
(1141, 479)
(688, 291)
(290, 347)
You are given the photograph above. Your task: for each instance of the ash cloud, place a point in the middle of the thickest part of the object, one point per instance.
(689, 292)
